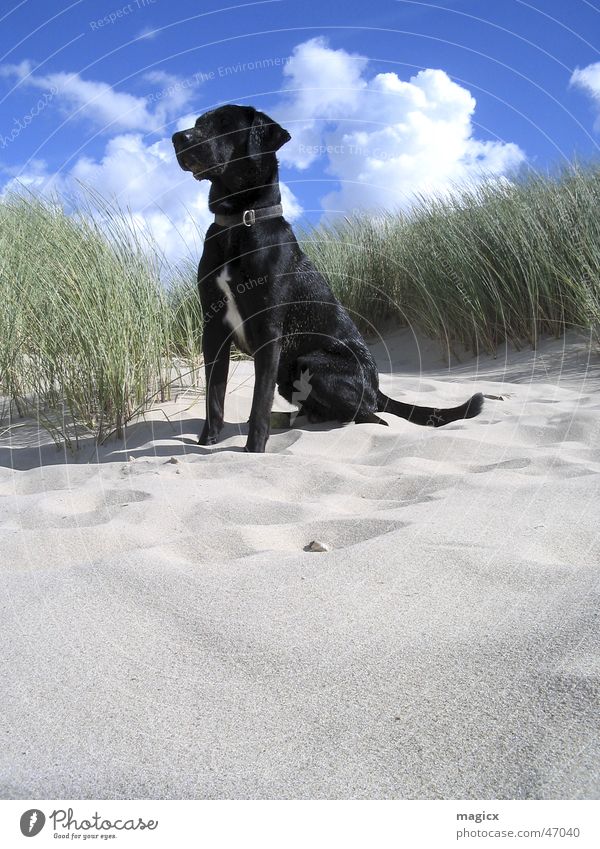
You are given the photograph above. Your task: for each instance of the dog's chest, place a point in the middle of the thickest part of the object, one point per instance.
(232, 317)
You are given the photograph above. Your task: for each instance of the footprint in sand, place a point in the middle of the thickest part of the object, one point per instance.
(60, 509)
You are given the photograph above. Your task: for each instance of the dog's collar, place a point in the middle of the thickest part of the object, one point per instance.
(249, 216)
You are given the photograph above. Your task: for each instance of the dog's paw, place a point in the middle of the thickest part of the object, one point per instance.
(254, 448)
(208, 440)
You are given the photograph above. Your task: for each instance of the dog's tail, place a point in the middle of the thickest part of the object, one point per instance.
(430, 416)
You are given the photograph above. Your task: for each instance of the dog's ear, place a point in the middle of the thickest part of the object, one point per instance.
(265, 136)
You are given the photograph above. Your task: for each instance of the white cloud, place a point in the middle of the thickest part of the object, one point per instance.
(110, 110)
(588, 79)
(383, 138)
(323, 85)
(145, 181)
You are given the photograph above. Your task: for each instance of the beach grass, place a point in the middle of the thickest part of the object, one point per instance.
(502, 261)
(94, 322)
(85, 324)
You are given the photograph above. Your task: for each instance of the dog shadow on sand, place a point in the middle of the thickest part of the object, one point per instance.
(25, 445)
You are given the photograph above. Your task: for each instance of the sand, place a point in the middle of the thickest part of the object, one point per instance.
(165, 635)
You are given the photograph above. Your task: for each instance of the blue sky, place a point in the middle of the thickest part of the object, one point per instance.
(383, 99)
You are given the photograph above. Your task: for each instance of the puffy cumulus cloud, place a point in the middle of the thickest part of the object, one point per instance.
(385, 139)
(107, 109)
(165, 203)
(588, 79)
(322, 85)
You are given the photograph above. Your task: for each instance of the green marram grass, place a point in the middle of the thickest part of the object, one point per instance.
(94, 323)
(502, 261)
(84, 328)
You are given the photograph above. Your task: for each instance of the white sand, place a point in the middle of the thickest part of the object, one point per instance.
(165, 635)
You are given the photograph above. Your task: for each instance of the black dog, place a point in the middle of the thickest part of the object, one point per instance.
(259, 289)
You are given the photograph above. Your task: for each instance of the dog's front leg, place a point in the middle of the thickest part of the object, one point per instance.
(215, 348)
(266, 363)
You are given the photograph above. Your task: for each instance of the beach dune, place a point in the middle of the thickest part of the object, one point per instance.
(165, 635)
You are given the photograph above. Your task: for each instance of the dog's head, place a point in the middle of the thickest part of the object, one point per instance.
(234, 143)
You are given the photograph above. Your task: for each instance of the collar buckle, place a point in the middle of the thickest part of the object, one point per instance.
(248, 217)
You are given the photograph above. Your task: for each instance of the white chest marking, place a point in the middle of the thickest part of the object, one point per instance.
(232, 314)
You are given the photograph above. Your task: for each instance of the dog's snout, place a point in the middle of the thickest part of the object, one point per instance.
(181, 139)
(187, 146)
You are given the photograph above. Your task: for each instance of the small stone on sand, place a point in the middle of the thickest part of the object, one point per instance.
(315, 545)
